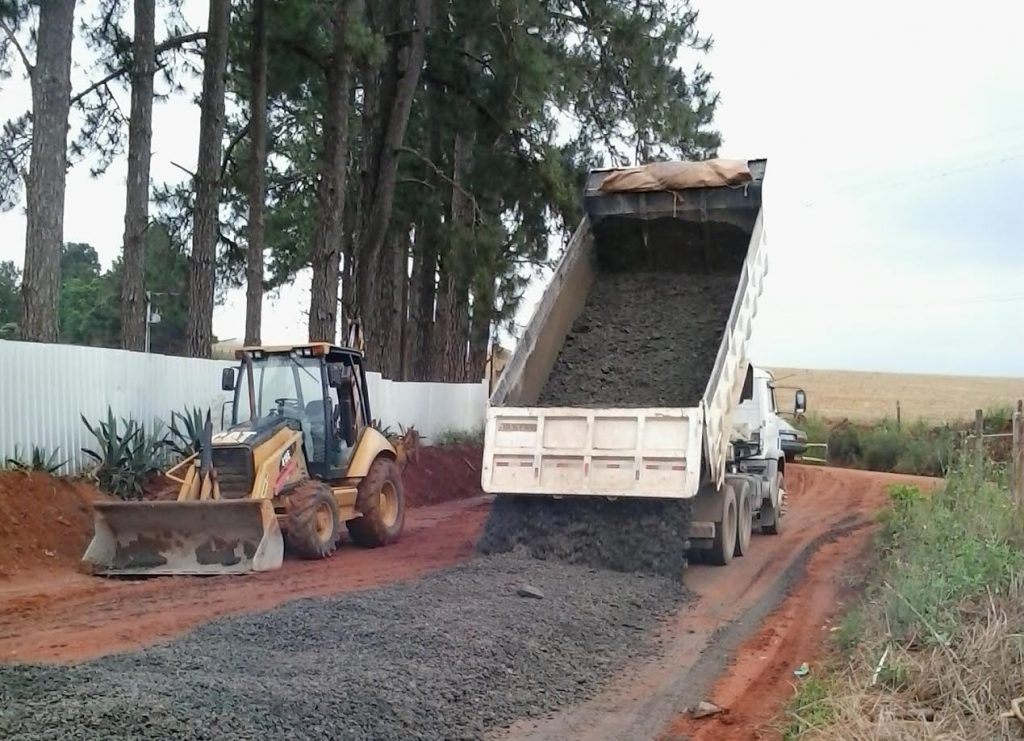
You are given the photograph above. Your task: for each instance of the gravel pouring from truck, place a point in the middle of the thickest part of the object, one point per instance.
(652, 239)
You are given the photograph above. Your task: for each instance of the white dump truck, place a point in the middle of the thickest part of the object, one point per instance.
(687, 223)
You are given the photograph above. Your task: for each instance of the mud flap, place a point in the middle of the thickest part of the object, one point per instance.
(204, 537)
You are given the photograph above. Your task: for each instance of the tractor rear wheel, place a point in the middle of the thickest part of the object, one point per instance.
(381, 500)
(312, 529)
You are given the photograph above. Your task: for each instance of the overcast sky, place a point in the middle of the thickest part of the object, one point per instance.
(894, 133)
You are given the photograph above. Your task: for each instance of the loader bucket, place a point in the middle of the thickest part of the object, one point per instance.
(195, 537)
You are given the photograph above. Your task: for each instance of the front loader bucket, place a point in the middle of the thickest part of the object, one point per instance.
(194, 537)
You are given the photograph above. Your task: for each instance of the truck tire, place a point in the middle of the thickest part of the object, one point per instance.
(724, 545)
(773, 524)
(312, 524)
(381, 500)
(745, 524)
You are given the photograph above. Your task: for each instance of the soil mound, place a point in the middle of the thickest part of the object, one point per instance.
(45, 522)
(442, 475)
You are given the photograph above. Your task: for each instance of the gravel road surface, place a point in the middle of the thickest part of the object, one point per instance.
(446, 657)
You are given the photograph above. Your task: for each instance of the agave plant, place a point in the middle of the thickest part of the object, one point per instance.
(126, 456)
(187, 439)
(39, 461)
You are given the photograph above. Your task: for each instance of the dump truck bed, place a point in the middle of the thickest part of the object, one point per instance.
(635, 257)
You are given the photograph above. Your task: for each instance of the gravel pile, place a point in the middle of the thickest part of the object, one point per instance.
(627, 535)
(643, 339)
(447, 657)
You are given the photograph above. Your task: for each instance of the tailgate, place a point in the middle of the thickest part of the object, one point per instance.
(654, 452)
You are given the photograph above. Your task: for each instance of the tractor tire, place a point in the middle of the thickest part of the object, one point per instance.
(774, 527)
(745, 525)
(312, 528)
(724, 546)
(381, 500)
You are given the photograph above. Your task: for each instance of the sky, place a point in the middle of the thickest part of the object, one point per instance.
(894, 133)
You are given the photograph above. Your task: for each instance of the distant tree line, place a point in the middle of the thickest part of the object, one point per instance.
(416, 154)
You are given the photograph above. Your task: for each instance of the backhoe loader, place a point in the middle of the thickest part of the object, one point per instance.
(306, 460)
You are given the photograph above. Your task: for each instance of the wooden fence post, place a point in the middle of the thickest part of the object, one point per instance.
(899, 420)
(979, 444)
(1017, 459)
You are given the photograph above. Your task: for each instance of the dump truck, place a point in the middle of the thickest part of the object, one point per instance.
(300, 459)
(631, 379)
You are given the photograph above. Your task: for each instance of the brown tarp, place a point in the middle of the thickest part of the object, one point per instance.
(677, 176)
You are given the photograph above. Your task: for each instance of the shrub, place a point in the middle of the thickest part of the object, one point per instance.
(38, 461)
(460, 437)
(126, 456)
(844, 445)
(186, 439)
(881, 448)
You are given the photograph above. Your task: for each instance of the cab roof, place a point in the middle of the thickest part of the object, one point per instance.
(314, 349)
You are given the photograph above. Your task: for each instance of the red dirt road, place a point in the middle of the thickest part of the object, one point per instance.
(749, 627)
(73, 617)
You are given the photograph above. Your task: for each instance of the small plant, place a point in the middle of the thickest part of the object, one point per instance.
(451, 438)
(126, 456)
(844, 445)
(39, 460)
(186, 438)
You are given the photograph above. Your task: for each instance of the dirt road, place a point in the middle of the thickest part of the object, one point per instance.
(749, 627)
(74, 617)
(735, 642)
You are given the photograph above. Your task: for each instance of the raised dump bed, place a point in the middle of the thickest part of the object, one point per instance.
(626, 377)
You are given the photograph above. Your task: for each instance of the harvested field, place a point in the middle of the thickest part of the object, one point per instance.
(868, 397)
(45, 522)
(449, 657)
(628, 350)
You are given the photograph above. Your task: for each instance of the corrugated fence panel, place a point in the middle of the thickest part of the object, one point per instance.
(45, 389)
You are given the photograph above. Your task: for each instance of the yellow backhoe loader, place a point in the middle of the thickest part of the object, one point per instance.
(306, 460)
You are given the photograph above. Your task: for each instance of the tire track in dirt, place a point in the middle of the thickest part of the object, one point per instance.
(74, 617)
(829, 519)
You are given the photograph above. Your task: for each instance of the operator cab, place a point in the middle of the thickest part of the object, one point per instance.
(317, 388)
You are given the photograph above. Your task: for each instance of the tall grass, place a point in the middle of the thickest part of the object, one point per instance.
(936, 647)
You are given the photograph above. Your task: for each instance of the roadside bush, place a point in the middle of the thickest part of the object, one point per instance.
(39, 460)
(880, 448)
(844, 445)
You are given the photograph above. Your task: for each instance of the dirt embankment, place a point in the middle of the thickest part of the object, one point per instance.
(45, 523)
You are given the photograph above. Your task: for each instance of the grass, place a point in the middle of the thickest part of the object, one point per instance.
(935, 649)
(452, 438)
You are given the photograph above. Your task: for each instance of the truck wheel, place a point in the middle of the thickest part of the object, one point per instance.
(725, 531)
(772, 525)
(745, 526)
(381, 500)
(312, 529)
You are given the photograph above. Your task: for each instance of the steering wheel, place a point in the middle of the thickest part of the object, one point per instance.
(285, 401)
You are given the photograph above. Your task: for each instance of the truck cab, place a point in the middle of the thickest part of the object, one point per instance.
(757, 415)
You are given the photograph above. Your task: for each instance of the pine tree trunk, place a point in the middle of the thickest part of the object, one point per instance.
(452, 327)
(395, 92)
(205, 228)
(327, 241)
(257, 175)
(44, 234)
(479, 337)
(423, 290)
(136, 210)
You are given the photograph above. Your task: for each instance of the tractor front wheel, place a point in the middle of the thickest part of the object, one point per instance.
(312, 529)
(381, 501)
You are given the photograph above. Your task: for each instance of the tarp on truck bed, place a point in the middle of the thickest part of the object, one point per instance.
(660, 176)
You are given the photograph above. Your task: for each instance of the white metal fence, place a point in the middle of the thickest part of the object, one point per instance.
(44, 390)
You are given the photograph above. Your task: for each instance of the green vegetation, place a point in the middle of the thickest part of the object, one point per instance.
(39, 460)
(917, 448)
(449, 438)
(126, 456)
(938, 634)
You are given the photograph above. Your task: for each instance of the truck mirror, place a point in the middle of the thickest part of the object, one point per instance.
(227, 379)
(800, 402)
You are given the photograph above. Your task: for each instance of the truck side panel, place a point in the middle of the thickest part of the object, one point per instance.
(723, 391)
(527, 371)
